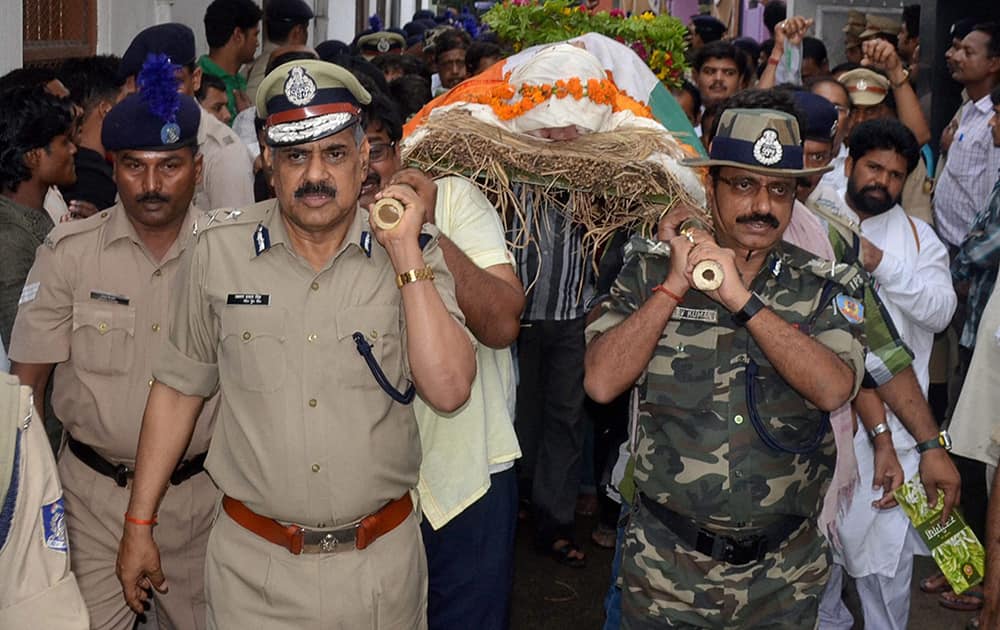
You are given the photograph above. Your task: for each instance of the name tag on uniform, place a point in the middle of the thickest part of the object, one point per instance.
(704, 315)
(108, 297)
(248, 299)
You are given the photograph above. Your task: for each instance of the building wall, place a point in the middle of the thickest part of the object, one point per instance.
(11, 32)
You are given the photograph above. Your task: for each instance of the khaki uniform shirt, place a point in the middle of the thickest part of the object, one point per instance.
(37, 588)
(304, 434)
(100, 313)
(227, 168)
(255, 71)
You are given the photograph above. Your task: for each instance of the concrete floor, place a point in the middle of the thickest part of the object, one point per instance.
(548, 596)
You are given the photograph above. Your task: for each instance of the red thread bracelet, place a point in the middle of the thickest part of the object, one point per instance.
(140, 521)
(664, 290)
(773, 61)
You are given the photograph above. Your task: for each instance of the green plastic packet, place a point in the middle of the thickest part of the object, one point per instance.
(956, 550)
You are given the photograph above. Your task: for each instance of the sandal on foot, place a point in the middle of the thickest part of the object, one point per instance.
(935, 584)
(562, 554)
(969, 601)
(604, 537)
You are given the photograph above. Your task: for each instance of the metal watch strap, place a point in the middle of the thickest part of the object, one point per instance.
(878, 429)
(425, 273)
(751, 308)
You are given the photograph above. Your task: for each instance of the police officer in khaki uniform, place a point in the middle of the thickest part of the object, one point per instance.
(99, 315)
(227, 168)
(318, 328)
(37, 588)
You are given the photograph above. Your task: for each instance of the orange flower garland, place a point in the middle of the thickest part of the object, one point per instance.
(601, 92)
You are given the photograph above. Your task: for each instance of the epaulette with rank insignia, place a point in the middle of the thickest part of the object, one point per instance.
(640, 245)
(848, 276)
(233, 216)
(80, 226)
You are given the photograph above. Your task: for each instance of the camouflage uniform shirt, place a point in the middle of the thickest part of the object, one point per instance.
(697, 448)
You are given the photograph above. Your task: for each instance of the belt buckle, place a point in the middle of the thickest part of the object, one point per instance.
(328, 541)
(121, 476)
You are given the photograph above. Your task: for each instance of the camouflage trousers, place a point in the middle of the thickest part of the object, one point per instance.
(665, 584)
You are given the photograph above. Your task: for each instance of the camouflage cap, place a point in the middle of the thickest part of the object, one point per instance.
(306, 100)
(879, 25)
(865, 87)
(765, 141)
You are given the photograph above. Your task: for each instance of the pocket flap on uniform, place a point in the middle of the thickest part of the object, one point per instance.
(371, 321)
(103, 317)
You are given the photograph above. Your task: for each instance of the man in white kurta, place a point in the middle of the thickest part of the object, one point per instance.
(909, 266)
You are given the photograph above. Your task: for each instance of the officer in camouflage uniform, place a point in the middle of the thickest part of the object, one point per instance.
(733, 453)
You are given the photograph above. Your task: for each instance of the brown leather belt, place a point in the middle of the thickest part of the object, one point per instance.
(298, 540)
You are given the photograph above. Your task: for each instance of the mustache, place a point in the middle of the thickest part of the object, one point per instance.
(874, 187)
(761, 217)
(313, 188)
(152, 196)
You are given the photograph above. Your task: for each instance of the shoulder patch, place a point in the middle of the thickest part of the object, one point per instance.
(69, 228)
(852, 310)
(54, 525)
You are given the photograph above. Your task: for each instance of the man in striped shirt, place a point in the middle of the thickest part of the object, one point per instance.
(973, 161)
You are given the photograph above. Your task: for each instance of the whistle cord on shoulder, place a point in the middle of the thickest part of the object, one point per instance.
(365, 350)
(762, 430)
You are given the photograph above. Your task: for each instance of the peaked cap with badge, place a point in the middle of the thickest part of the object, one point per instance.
(307, 100)
(865, 87)
(764, 141)
(381, 43)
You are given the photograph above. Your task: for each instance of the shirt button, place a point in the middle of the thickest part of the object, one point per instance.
(312, 402)
(680, 347)
(156, 328)
(158, 273)
(315, 286)
(315, 467)
(374, 334)
(738, 419)
(312, 337)
(737, 474)
(246, 335)
(102, 327)
(150, 382)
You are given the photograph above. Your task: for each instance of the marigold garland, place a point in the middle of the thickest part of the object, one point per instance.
(602, 92)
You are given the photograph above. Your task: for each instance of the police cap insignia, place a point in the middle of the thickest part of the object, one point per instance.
(767, 150)
(300, 88)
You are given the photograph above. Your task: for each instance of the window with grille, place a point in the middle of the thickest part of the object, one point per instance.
(57, 29)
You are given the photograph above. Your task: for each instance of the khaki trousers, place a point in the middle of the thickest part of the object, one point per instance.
(95, 510)
(254, 584)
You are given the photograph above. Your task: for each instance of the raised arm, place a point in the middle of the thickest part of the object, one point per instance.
(442, 358)
(616, 358)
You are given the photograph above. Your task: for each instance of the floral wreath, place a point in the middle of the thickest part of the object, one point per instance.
(657, 39)
(602, 92)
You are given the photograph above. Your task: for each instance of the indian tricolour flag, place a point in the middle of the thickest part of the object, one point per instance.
(629, 72)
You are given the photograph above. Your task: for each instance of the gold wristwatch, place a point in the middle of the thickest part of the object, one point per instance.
(413, 275)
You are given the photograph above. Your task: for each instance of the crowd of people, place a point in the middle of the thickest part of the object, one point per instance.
(300, 337)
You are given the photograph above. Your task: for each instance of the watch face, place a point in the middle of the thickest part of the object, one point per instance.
(945, 438)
